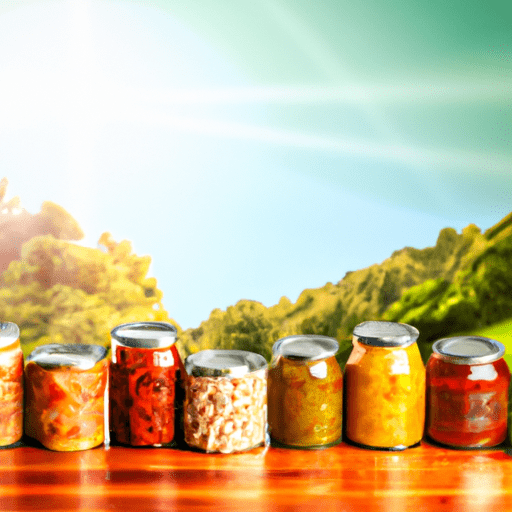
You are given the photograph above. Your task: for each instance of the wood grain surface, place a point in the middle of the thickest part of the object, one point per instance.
(341, 478)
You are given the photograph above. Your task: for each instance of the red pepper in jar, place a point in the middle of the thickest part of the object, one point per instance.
(11, 384)
(145, 366)
(467, 390)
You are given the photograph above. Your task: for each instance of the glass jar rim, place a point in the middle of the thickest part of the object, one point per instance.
(469, 350)
(9, 333)
(224, 363)
(59, 355)
(145, 334)
(306, 347)
(385, 334)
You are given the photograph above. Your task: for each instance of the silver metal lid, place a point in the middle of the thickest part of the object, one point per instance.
(469, 350)
(385, 334)
(224, 363)
(57, 355)
(306, 347)
(9, 333)
(145, 334)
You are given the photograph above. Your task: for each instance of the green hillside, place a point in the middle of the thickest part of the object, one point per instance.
(56, 290)
(462, 283)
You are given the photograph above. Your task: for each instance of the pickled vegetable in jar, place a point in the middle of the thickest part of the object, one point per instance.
(11, 384)
(225, 407)
(384, 387)
(65, 406)
(305, 392)
(467, 390)
(145, 368)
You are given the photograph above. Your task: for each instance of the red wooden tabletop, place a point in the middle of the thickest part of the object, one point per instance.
(340, 478)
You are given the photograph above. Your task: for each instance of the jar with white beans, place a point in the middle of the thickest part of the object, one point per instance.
(225, 407)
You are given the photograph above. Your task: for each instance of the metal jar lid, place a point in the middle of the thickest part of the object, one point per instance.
(306, 347)
(145, 334)
(469, 350)
(9, 333)
(56, 355)
(385, 334)
(224, 363)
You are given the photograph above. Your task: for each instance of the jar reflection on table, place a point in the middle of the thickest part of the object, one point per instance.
(11, 384)
(305, 392)
(467, 390)
(65, 396)
(384, 387)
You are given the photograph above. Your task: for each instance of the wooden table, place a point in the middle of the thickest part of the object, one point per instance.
(342, 478)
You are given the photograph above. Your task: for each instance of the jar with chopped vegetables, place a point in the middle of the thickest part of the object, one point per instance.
(225, 407)
(65, 396)
(384, 387)
(305, 392)
(145, 369)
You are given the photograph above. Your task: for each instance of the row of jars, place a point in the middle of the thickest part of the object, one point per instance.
(386, 398)
(71, 397)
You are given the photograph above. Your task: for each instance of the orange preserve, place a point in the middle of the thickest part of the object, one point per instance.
(65, 396)
(384, 387)
(305, 392)
(11, 384)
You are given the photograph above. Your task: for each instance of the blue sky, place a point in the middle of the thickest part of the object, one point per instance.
(255, 149)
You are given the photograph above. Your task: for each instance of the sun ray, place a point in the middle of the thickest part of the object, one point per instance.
(490, 90)
(416, 156)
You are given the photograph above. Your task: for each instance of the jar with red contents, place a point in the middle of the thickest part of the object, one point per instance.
(145, 369)
(467, 392)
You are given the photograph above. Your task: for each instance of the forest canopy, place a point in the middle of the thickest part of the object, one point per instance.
(61, 292)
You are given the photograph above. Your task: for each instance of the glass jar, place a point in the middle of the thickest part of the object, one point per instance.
(145, 368)
(305, 392)
(467, 390)
(11, 384)
(384, 387)
(225, 407)
(65, 407)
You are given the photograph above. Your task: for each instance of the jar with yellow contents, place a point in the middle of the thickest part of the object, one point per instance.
(305, 392)
(384, 387)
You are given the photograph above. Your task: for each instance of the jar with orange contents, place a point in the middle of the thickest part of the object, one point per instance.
(384, 387)
(66, 386)
(11, 384)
